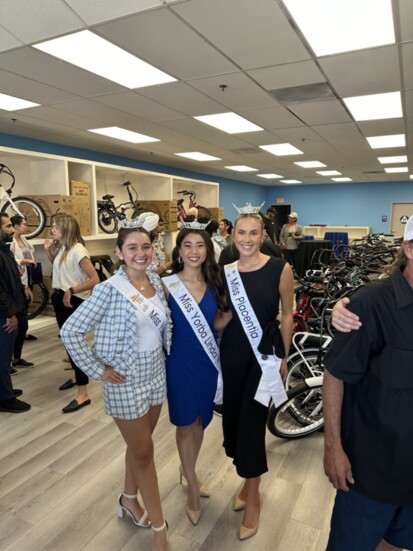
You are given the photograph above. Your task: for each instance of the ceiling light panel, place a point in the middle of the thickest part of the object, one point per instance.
(343, 179)
(95, 54)
(281, 149)
(269, 176)
(334, 27)
(241, 168)
(375, 106)
(310, 164)
(230, 123)
(10, 103)
(396, 169)
(197, 156)
(382, 142)
(395, 159)
(291, 181)
(328, 172)
(124, 135)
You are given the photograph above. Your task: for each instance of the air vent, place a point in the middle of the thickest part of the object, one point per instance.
(246, 150)
(302, 94)
(374, 172)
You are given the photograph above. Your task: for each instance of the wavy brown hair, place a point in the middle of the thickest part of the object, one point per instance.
(120, 241)
(210, 270)
(70, 230)
(399, 263)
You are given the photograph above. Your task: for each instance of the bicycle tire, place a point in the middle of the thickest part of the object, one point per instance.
(303, 367)
(300, 415)
(32, 211)
(40, 300)
(107, 221)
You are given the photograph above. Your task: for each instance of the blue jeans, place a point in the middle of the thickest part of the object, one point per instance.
(359, 524)
(6, 354)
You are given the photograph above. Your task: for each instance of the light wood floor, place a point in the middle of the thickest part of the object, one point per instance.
(60, 476)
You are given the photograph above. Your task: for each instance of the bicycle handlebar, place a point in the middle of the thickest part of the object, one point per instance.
(6, 170)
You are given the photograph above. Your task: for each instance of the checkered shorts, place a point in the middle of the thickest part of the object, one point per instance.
(145, 387)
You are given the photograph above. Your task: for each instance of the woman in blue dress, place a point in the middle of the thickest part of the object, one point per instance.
(195, 294)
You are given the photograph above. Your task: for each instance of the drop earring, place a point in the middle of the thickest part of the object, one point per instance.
(180, 261)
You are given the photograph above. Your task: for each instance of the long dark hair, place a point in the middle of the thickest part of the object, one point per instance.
(120, 241)
(210, 269)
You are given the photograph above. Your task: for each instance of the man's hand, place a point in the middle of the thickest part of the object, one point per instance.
(11, 324)
(343, 319)
(337, 468)
(112, 376)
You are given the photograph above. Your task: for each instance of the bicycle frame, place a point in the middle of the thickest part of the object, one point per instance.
(5, 197)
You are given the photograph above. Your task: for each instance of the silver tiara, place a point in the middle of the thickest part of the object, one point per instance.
(248, 209)
(132, 223)
(195, 225)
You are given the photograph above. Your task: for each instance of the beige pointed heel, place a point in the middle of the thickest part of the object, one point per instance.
(238, 504)
(245, 532)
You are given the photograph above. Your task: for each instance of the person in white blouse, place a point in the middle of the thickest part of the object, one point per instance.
(73, 277)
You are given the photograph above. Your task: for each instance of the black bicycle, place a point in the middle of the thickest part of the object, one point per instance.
(109, 214)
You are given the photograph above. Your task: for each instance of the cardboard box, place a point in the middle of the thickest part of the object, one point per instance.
(167, 210)
(53, 204)
(81, 190)
(217, 213)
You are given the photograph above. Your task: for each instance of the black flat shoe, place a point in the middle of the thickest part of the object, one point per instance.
(17, 392)
(67, 384)
(13, 371)
(14, 406)
(30, 338)
(22, 363)
(74, 406)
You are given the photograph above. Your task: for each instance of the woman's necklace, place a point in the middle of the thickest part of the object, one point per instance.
(137, 284)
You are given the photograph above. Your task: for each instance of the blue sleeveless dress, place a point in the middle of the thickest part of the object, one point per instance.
(190, 375)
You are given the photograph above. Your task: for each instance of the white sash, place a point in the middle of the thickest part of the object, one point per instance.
(198, 324)
(271, 384)
(155, 317)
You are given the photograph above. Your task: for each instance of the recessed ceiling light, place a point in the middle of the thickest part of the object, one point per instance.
(95, 54)
(343, 179)
(344, 27)
(328, 173)
(382, 142)
(10, 103)
(269, 176)
(395, 169)
(197, 156)
(291, 181)
(281, 149)
(230, 123)
(395, 159)
(310, 164)
(122, 134)
(411, 176)
(375, 106)
(241, 168)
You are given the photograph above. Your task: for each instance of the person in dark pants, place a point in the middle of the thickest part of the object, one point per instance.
(367, 397)
(12, 304)
(270, 224)
(73, 277)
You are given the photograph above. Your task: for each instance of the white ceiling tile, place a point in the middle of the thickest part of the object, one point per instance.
(240, 93)
(272, 118)
(260, 23)
(8, 40)
(407, 56)
(174, 48)
(320, 112)
(406, 20)
(409, 103)
(182, 98)
(39, 20)
(364, 72)
(381, 127)
(343, 137)
(139, 106)
(288, 75)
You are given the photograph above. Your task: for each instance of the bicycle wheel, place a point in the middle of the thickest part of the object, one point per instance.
(300, 415)
(40, 299)
(107, 221)
(303, 367)
(32, 211)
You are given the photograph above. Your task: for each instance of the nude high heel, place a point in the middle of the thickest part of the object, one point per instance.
(193, 516)
(244, 532)
(238, 504)
(122, 510)
(203, 490)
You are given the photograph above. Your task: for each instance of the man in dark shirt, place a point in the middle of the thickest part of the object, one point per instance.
(270, 225)
(12, 303)
(367, 400)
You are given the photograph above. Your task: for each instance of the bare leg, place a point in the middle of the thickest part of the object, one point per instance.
(189, 441)
(131, 486)
(138, 437)
(250, 494)
(384, 546)
(82, 394)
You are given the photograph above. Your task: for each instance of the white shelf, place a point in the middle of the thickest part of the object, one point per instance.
(354, 232)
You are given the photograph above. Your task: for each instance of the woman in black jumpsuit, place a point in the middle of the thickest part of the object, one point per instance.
(266, 280)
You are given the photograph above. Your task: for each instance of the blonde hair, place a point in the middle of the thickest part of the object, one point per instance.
(399, 263)
(70, 231)
(254, 216)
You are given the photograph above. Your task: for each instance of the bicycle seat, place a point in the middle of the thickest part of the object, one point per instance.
(108, 197)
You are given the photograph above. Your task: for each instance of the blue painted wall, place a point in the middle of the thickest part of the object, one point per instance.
(355, 204)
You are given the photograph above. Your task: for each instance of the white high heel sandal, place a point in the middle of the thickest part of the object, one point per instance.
(122, 510)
